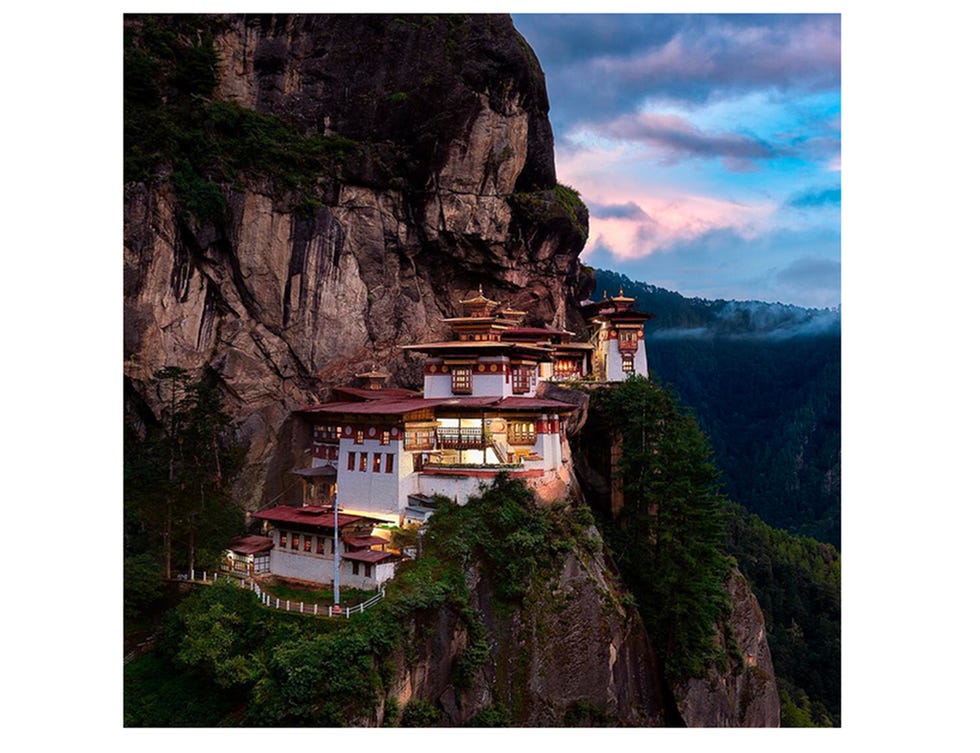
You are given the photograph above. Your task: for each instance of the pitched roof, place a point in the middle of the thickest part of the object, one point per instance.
(369, 555)
(319, 516)
(250, 544)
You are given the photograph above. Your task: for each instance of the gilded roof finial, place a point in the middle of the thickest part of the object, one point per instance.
(620, 291)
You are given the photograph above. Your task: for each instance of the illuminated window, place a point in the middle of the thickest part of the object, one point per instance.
(385, 437)
(462, 381)
(321, 542)
(389, 463)
(376, 468)
(363, 464)
(359, 436)
(521, 432)
(307, 543)
(350, 460)
(628, 364)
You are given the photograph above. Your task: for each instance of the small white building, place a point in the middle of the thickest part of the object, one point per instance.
(620, 350)
(304, 544)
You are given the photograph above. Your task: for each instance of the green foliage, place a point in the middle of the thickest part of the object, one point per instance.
(668, 540)
(142, 583)
(770, 403)
(797, 583)
(420, 713)
(177, 475)
(155, 695)
(494, 715)
(276, 669)
(504, 530)
(217, 632)
(548, 205)
(582, 713)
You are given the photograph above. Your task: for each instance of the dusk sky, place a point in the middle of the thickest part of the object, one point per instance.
(707, 147)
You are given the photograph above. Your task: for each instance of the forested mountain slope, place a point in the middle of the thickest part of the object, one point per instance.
(764, 382)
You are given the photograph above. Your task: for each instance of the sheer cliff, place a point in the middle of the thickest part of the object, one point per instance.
(307, 193)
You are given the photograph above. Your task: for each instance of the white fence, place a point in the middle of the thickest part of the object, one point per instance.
(274, 602)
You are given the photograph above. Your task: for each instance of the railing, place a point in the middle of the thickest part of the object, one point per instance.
(289, 605)
(469, 438)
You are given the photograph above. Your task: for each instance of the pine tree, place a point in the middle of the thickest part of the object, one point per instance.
(669, 536)
(177, 476)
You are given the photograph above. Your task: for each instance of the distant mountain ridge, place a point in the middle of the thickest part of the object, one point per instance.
(763, 380)
(678, 316)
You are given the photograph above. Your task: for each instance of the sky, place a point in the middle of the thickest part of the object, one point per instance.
(707, 147)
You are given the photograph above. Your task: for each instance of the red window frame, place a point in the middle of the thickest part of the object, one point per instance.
(389, 462)
(376, 465)
(294, 544)
(362, 466)
(307, 543)
(351, 460)
(321, 543)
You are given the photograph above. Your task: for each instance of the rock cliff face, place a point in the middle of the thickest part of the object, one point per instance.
(740, 697)
(579, 657)
(452, 185)
(449, 185)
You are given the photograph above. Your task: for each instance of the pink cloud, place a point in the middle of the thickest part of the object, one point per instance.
(660, 217)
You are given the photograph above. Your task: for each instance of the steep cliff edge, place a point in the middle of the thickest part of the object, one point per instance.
(439, 177)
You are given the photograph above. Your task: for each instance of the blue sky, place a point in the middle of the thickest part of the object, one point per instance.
(707, 147)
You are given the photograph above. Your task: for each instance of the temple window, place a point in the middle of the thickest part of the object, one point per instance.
(321, 542)
(389, 463)
(367, 570)
(363, 464)
(294, 544)
(521, 432)
(522, 379)
(628, 364)
(351, 460)
(462, 381)
(359, 436)
(356, 568)
(282, 540)
(385, 437)
(307, 543)
(376, 467)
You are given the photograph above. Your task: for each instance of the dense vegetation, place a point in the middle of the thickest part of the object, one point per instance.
(677, 573)
(797, 583)
(177, 474)
(223, 658)
(668, 538)
(764, 383)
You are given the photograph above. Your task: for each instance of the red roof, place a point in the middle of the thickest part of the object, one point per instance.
(369, 555)
(380, 394)
(364, 540)
(250, 544)
(320, 516)
(400, 407)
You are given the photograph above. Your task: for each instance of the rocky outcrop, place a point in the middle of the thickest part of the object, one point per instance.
(744, 696)
(451, 186)
(576, 655)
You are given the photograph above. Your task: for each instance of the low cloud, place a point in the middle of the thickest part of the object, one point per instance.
(628, 211)
(617, 62)
(676, 138)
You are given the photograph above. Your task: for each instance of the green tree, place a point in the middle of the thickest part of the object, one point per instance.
(669, 537)
(177, 475)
